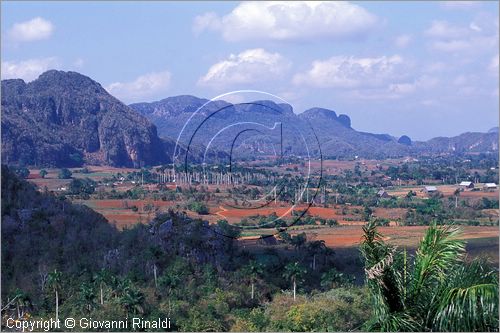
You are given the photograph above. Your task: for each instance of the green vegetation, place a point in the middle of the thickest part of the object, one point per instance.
(82, 187)
(76, 264)
(64, 174)
(435, 291)
(198, 207)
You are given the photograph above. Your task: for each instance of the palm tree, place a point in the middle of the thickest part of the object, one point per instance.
(154, 254)
(315, 248)
(54, 281)
(456, 194)
(102, 278)
(22, 301)
(294, 271)
(253, 270)
(132, 300)
(87, 296)
(441, 292)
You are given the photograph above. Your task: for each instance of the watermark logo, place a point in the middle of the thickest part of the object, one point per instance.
(247, 148)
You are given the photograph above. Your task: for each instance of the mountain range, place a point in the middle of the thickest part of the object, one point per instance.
(67, 119)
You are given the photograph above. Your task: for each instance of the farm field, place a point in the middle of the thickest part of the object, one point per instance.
(129, 211)
(445, 190)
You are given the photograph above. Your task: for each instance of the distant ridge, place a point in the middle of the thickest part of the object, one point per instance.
(335, 132)
(68, 119)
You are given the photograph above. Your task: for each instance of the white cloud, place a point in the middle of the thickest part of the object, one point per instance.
(463, 5)
(443, 29)
(144, 86)
(478, 36)
(207, 21)
(27, 70)
(37, 28)
(351, 72)
(402, 41)
(475, 27)
(402, 88)
(250, 66)
(290, 20)
(451, 45)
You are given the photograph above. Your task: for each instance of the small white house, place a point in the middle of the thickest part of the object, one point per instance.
(465, 185)
(490, 187)
(430, 189)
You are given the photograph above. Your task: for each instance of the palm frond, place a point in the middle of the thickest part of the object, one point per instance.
(470, 302)
(439, 251)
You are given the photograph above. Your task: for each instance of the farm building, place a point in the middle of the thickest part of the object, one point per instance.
(464, 185)
(383, 194)
(430, 189)
(490, 187)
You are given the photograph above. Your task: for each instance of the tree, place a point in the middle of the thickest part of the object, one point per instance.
(87, 296)
(155, 253)
(43, 173)
(22, 301)
(64, 174)
(82, 186)
(132, 299)
(253, 270)
(23, 172)
(456, 194)
(299, 240)
(315, 248)
(333, 279)
(440, 292)
(55, 279)
(367, 213)
(228, 230)
(198, 207)
(102, 278)
(294, 272)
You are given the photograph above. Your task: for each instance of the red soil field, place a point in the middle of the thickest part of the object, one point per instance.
(121, 203)
(402, 236)
(234, 215)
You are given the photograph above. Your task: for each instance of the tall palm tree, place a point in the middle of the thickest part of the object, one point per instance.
(102, 278)
(253, 270)
(315, 248)
(294, 271)
(456, 194)
(54, 280)
(22, 301)
(440, 292)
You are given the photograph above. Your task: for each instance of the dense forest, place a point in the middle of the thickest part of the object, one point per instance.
(60, 259)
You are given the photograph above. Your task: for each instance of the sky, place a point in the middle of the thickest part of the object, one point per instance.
(422, 69)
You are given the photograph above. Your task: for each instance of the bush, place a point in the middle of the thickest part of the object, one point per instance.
(198, 207)
(64, 174)
(82, 186)
(22, 172)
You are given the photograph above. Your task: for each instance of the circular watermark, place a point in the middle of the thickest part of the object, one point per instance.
(255, 158)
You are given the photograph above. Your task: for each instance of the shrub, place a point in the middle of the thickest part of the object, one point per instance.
(64, 174)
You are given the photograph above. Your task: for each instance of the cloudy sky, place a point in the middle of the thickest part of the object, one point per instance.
(424, 69)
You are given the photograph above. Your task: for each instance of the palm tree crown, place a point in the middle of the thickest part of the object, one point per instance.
(437, 290)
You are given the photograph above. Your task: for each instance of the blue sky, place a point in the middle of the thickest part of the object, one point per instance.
(423, 69)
